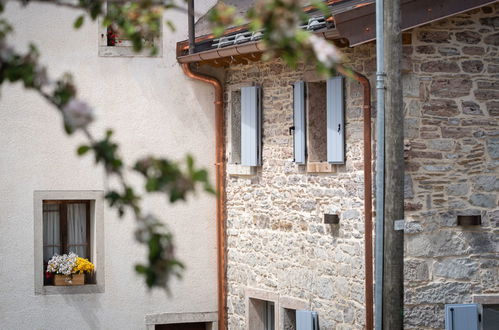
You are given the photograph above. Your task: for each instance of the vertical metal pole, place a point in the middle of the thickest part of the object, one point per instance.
(380, 164)
(192, 32)
(393, 267)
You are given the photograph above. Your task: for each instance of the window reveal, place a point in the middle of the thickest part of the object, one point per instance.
(66, 228)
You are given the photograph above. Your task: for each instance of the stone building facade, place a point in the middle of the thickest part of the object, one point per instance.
(277, 243)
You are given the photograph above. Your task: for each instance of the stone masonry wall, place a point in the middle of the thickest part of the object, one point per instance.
(276, 237)
(452, 126)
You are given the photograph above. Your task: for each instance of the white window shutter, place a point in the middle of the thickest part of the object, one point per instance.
(250, 126)
(462, 317)
(307, 320)
(299, 132)
(335, 121)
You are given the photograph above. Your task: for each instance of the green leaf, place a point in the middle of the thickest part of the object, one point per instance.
(83, 150)
(170, 25)
(79, 21)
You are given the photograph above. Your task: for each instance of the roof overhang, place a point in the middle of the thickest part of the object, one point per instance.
(358, 25)
(354, 24)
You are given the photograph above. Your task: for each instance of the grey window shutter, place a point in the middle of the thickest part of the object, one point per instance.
(461, 317)
(250, 126)
(307, 320)
(335, 121)
(299, 132)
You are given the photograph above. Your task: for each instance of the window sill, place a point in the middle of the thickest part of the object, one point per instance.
(240, 170)
(124, 51)
(321, 167)
(486, 299)
(80, 289)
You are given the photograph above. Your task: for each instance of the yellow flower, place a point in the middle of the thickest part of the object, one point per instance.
(83, 266)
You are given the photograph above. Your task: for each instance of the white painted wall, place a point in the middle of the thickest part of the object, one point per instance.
(153, 108)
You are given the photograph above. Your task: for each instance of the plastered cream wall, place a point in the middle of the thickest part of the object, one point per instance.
(154, 109)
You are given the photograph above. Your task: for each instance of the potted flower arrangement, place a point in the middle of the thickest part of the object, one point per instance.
(69, 269)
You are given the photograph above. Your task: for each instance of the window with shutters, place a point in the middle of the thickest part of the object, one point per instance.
(318, 127)
(244, 145)
(68, 221)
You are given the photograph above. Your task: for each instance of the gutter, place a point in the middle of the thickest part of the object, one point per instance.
(237, 50)
(220, 184)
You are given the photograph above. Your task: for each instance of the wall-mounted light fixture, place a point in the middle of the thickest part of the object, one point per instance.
(331, 219)
(469, 220)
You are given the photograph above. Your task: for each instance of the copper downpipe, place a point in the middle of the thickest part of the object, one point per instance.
(220, 185)
(368, 206)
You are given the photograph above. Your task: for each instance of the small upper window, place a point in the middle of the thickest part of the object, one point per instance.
(112, 42)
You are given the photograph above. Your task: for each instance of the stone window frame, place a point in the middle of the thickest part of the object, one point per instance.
(96, 198)
(210, 318)
(290, 303)
(234, 169)
(252, 313)
(125, 51)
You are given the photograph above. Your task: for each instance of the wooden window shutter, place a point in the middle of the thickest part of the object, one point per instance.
(335, 121)
(299, 124)
(250, 126)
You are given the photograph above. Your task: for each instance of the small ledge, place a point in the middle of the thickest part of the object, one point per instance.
(240, 170)
(210, 318)
(486, 299)
(80, 289)
(124, 51)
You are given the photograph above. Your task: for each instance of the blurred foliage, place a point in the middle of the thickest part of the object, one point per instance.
(141, 22)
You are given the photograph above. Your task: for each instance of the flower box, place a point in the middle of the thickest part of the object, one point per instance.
(69, 280)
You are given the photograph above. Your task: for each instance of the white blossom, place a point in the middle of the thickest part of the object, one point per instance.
(62, 264)
(77, 114)
(326, 52)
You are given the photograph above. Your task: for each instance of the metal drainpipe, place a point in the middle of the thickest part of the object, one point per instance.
(368, 204)
(191, 26)
(380, 162)
(220, 184)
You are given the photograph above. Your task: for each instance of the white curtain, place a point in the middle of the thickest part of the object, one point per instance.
(77, 229)
(51, 231)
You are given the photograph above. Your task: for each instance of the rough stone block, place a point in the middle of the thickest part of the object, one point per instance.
(429, 316)
(416, 271)
(493, 147)
(472, 66)
(458, 189)
(456, 268)
(440, 66)
(434, 36)
(471, 108)
(441, 243)
(485, 183)
(473, 50)
(490, 21)
(468, 37)
(440, 293)
(441, 144)
(425, 49)
(444, 108)
(451, 87)
(492, 39)
(493, 108)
